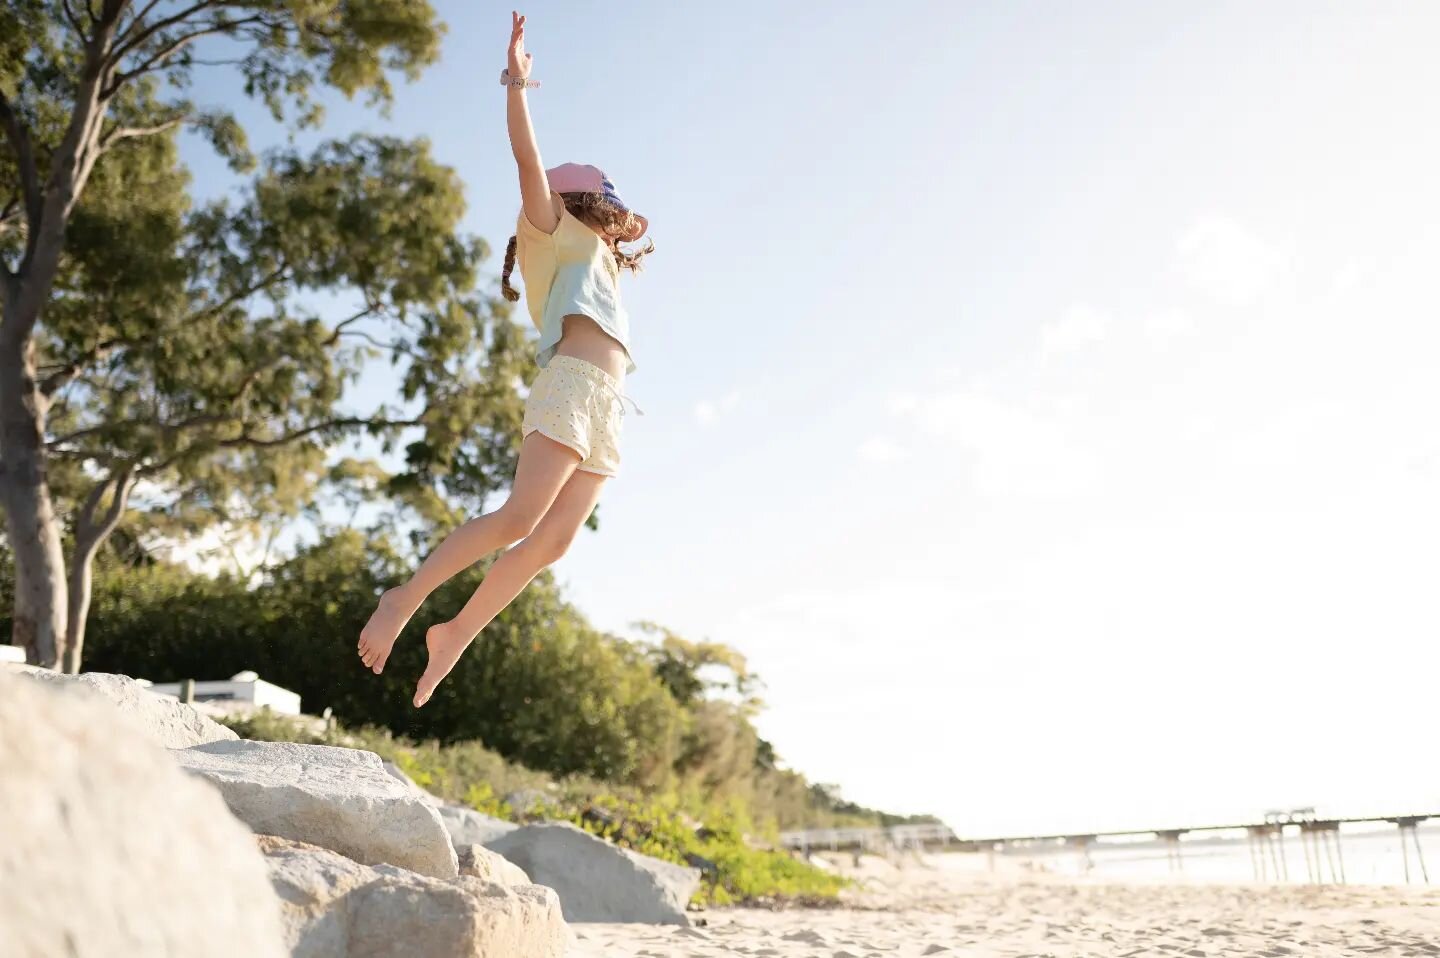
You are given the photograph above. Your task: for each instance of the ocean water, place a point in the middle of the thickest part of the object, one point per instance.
(1368, 855)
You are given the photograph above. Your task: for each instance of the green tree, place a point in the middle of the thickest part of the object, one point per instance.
(540, 685)
(693, 670)
(221, 391)
(145, 343)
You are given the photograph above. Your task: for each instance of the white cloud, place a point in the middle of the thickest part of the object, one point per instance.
(1013, 450)
(903, 402)
(1078, 327)
(1348, 276)
(708, 411)
(1169, 324)
(1227, 262)
(880, 449)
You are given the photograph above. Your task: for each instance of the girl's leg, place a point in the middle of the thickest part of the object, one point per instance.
(510, 574)
(544, 467)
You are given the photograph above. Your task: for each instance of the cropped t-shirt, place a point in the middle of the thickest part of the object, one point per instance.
(568, 272)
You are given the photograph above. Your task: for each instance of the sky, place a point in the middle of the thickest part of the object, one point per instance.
(1043, 397)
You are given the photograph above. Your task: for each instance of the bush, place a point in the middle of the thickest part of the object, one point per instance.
(735, 871)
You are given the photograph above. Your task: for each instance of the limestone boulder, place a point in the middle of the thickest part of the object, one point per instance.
(165, 721)
(337, 908)
(598, 881)
(479, 862)
(108, 849)
(469, 827)
(395, 772)
(337, 798)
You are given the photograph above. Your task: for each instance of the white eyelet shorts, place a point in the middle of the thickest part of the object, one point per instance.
(578, 405)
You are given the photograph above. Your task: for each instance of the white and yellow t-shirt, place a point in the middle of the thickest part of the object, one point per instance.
(569, 272)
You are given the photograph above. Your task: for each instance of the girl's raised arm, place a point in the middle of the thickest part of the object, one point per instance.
(534, 187)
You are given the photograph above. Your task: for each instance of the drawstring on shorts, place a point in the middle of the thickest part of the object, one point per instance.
(623, 399)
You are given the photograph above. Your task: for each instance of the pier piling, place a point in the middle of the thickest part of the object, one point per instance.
(1409, 824)
(1172, 849)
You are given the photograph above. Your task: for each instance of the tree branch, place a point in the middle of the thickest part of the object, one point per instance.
(252, 442)
(369, 310)
(75, 21)
(347, 423)
(230, 62)
(129, 46)
(140, 17)
(118, 502)
(63, 375)
(84, 518)
(19, 136)
(242, 294)
(168, 428)
(396, 347)
(172, 48)
(119, 133)
(88, 532)
(70, 164)
(12, 207)
(215, 419)
(83, 455)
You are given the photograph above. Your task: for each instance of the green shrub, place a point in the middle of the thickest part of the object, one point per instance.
(735, 871)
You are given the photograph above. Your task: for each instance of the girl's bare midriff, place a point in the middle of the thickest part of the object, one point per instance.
(583, 338)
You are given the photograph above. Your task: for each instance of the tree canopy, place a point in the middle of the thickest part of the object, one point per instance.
(198, 361)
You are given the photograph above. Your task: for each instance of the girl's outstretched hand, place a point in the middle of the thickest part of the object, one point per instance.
(519, 59)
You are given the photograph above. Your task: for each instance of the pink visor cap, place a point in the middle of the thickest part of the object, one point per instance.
(583, 178)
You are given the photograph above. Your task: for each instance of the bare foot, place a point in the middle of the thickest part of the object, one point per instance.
(445, 644)
(386, 622)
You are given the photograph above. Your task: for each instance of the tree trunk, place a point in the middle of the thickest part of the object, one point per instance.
(81, 575)
(90, 534)
(40, 588)
(34, 532)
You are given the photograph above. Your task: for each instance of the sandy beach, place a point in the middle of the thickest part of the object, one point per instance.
(931, 908)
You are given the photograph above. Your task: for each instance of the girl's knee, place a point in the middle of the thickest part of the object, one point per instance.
(545, 550)
(514, 523)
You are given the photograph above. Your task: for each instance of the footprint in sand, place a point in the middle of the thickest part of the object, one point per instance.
(807, 936)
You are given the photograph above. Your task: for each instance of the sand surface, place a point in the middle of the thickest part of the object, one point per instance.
(920, 910)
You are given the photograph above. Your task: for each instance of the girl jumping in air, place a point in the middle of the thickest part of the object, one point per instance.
(566, 243)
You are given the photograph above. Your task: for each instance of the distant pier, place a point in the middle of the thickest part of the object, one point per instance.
(1319, 839)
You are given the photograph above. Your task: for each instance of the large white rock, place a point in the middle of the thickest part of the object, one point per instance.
(337, 798)
(598, 881)
(107, 849)
(479, 862)
(337, 908)
(395, 772)
(165, 721)
(469, 827)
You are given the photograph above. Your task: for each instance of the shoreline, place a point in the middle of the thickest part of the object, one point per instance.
(925, 909)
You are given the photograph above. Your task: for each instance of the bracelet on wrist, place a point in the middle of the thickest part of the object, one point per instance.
(519, 82)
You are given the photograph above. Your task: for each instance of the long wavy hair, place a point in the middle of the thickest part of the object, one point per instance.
(595, 210)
